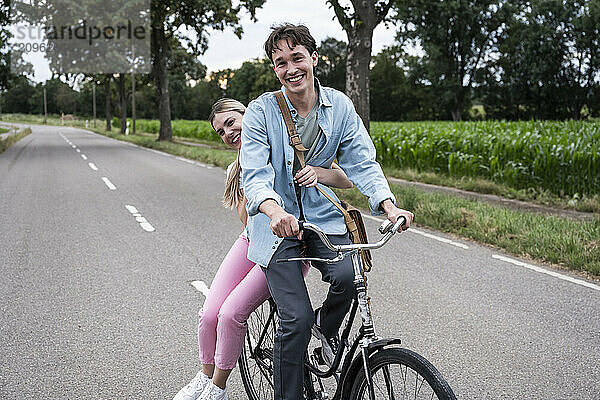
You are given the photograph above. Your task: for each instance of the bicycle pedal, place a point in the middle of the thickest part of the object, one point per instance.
(318, 354)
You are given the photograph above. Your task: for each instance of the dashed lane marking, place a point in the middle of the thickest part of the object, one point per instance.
(141, 220)
(109, 183)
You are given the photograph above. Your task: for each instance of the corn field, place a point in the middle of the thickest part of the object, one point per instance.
(181, 127)
(563, 157)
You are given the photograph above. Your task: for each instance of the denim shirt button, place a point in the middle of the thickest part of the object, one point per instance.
(274, 247)
(289, 163)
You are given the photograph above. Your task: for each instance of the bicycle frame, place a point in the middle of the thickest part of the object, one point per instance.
(366, 337)
(367, 356)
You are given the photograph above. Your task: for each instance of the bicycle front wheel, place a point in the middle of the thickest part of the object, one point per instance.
(401, 374)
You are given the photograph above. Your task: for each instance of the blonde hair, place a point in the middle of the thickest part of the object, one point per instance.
(233, 193)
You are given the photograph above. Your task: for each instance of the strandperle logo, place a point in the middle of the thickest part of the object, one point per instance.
(82, 32)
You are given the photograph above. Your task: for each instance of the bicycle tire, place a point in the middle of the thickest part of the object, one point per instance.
(256, 364)
(407, 367)
(257, 370)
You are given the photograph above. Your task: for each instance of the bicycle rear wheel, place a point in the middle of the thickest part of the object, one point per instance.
(256, 359)
(401, 374)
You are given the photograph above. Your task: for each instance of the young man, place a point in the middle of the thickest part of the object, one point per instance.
(329, 128)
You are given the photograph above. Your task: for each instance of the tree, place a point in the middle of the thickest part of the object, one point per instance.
(396, 92)
(548, 62)
(19, 96)
(4, 52)
(251, 80)
(107, 98)
(359, 22)
(331, 69)
(456, 36)
(167, 18)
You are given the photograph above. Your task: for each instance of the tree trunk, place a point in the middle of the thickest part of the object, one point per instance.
(357, 70)
(457, 106)
(107, 102)
(161, 49)
(123, 103)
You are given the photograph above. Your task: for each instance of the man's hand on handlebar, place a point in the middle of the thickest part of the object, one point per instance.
(393, 213)
(284, 225)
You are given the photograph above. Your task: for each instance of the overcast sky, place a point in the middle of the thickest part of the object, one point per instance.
(227, 51)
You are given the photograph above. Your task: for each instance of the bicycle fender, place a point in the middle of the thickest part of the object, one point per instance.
(357, 364)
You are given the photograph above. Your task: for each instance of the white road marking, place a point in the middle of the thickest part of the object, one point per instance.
(547, 272)
(131, 209)
(109, 183)
(201, 287)
(439, 239)
(138, 217)
(93, 166)
(185, 160)
(147, 227)
(79, 151)
(73, 146)
(158, 152)
(84, 156)
(428, 235)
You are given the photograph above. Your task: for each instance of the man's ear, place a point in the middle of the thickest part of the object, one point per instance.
(315, 58)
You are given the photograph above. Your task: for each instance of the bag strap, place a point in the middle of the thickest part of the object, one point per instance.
(299, 150)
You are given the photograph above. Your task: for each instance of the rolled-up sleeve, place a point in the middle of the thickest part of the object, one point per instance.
(357, 157)
(258, 174)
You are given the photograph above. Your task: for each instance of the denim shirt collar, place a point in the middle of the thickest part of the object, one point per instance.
(322, 96)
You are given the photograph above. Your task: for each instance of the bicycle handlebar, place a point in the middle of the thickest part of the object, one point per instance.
(387, 228)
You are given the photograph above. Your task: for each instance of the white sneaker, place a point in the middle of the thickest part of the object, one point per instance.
(192, 390)
(213, 392)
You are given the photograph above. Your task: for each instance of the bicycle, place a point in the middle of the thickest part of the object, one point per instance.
(371, 365)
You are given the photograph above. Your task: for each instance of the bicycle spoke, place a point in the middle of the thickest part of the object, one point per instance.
(398, 381)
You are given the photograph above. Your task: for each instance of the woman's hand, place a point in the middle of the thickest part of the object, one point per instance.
(307, 176)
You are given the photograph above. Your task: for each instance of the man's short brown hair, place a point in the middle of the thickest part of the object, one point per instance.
(294, 35)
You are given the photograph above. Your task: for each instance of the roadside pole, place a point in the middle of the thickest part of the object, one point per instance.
(94, 96)
(45, 107)
(133, 90)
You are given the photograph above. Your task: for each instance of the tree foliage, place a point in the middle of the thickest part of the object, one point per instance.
(456, 36)
(548, 62)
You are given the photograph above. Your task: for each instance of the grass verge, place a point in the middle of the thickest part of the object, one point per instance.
(569, 244)
(12, 139)
(577, 202)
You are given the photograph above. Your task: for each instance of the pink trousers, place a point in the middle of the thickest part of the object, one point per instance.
(237, 289)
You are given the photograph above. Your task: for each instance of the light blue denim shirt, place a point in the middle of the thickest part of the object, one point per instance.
(267, 159)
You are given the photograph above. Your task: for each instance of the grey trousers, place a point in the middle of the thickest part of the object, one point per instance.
(294, 309)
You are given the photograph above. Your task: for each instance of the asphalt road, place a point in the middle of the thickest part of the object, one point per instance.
(97, 303)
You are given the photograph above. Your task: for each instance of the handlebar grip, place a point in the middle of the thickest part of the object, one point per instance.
(399, 223)
(301, 225)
